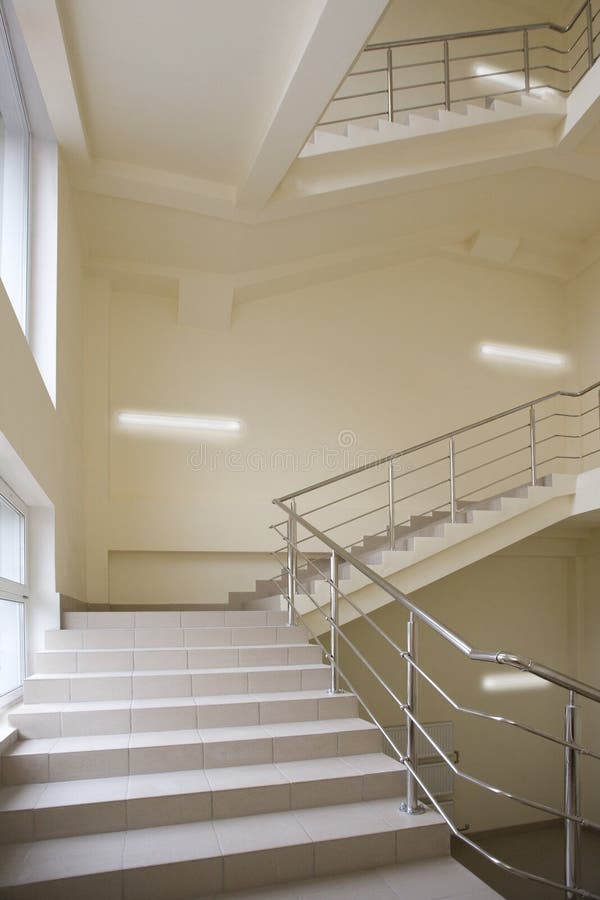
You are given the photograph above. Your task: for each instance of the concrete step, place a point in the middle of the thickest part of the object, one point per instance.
(178, 861)
(54, 662)
(145, 684)
(68, 808)
(143, 752)
(172, 618)
(127, 638)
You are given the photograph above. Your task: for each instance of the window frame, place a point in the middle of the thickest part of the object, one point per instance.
(21, 309)
(17, 591)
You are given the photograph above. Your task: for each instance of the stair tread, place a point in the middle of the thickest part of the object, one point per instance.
(149, 673)
(107, 790)
(71, 857)
(198, 700)
(279, 645)
(95, 742)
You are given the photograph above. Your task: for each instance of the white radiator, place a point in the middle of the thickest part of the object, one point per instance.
(435, 773)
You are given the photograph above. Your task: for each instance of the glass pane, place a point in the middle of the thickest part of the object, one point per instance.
(14, 181)
(12, 539)
(11, 646)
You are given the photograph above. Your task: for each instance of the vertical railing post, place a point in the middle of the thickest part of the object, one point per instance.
(391, 502)
(572, 829)
(390, 85)
(334, 686)
(590, 33)
(526, 70)
(412, 804)
(446, 76)
(292, 560)
(452, 481)
(532, 443)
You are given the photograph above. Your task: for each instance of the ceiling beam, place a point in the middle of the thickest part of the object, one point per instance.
(339, 34)
(40, 25)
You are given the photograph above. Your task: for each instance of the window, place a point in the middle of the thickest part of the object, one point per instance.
(14, 180)
(12, 649)
(12, 542)
(13, 580)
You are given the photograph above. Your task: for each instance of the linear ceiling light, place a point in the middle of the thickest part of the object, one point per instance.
(521, 354)
(513, 681)
(160, 420)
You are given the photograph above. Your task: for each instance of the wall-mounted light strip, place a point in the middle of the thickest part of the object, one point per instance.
(513, 681)
(521, 354)
(193, 423)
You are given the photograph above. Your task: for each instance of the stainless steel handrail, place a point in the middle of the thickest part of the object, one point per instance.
(448, 84)
(486, 32)
(354, 556)
(436, 440)
(453, 703)
(410, 763)
(501, 657)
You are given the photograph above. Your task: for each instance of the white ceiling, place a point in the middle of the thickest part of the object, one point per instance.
(185, 86)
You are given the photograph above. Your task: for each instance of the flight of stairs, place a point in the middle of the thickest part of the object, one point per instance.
(423, 539)
(546, 108)
(181, 754)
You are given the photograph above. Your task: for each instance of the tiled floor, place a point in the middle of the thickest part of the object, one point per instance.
(435, 879)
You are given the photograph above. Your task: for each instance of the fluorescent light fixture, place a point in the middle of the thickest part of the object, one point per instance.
(522, 354)
(193, 423)
(513, 681)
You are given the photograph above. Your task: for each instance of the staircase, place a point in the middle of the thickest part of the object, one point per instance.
(430, 545)
(528, 109)
(182, 754)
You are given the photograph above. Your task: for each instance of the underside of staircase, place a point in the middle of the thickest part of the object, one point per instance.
(183, 754)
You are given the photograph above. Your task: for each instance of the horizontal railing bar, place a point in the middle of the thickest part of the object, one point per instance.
(493, 483)
(424, 490)
(433, 462)
(490, 462)
(410, 661)
(486, 32)
(397, 67)
(500, 657)
(363, 515)
(345, 497)
(500, 719)
(589, 453)
(493, 438)
(521, 873)
(438, 439)
(459, 773)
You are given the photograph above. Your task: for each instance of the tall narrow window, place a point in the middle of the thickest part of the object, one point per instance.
(14, 180)
(13, 579)
(12, 649)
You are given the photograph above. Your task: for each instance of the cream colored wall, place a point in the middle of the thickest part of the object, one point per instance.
(589, 670)
(48, 440)
(176, 577)
(518, 602)
(390, 356)
(583, 296)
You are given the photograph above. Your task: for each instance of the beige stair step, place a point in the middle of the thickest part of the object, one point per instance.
(40, 721)
(177, 861)
(55, 662)
(127, 638)
(114, 755)
(66, 809)
(144, 684)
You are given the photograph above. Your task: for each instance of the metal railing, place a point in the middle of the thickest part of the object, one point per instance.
(302, 568)
(442, 71)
